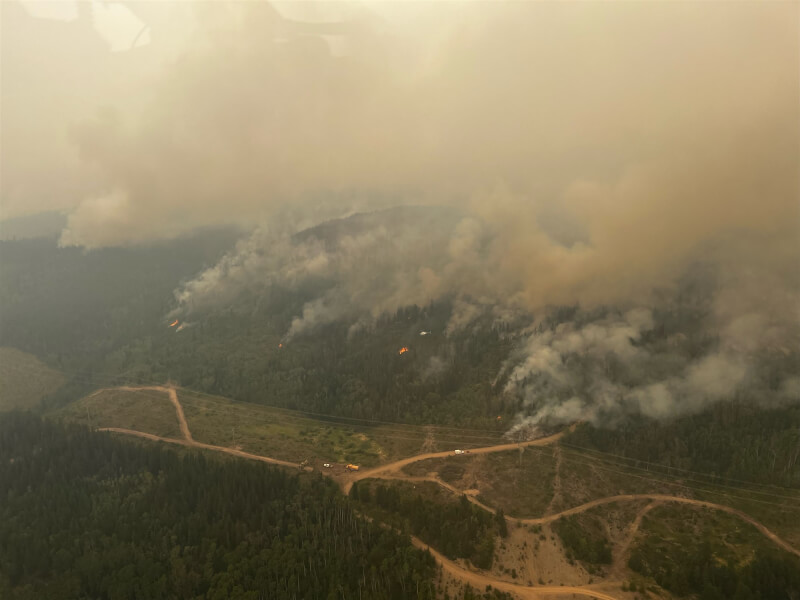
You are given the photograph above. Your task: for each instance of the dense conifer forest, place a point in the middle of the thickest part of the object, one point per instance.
(737, 440)
(458, 528)
(116, 332)
(84, 515)
(700, 570)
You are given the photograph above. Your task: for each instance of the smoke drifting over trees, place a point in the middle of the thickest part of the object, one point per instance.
(568, 155)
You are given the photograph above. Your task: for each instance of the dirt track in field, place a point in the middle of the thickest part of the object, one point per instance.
(621, 558)
(480, 580)
(397, 465)
(476, 579)
(195, 444)
(608, 500)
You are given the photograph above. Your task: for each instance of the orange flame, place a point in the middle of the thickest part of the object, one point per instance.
(403, 350)
(173, 324)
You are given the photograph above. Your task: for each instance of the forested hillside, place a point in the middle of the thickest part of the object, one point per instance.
(72, 307)
(733, 440)
(100, 317)
(439, 379)
(434, 517)
(25, 380)
(84, 515)
(712, 557)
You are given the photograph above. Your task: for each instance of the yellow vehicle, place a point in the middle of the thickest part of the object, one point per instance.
(350, 467)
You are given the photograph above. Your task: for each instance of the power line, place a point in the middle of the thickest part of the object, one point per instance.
(697, 489)
(750, 491)
(390, 433)
(403, 428)
(594, 465)
(669, 467)
(97, 378)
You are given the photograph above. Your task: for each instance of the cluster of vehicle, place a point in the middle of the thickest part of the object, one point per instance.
(349, 466)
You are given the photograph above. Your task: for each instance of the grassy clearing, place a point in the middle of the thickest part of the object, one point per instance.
(142, 410)
(519, 483)
(25, 380)
(779, 512)
(683, 527)
(274, 432)
(263, 430)
(288, 435)
(584, 479)
(618, 515)
(285, 434)
(583, 536)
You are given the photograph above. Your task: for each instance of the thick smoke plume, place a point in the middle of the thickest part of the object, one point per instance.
(588, 154)
(726, 332)
(365, 265)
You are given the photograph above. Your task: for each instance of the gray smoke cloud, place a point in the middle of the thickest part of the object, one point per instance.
(739, 341)
(363, 266)
(593, 153)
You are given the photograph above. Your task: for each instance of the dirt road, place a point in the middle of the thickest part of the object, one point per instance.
(173, 397)
(663, 498)
(621, 554)
(195, 444)
(480, 580)
(556, 482)
(476, 579)
(439, 482)
(399, 464)
(607, 500)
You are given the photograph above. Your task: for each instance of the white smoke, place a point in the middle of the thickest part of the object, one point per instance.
(365, 266)
(605, 369)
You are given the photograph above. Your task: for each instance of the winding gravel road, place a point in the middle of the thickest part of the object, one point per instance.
(392, 470)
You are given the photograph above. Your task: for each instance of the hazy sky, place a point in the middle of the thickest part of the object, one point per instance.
(584, 153)
(114, 22)
(600, 144)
